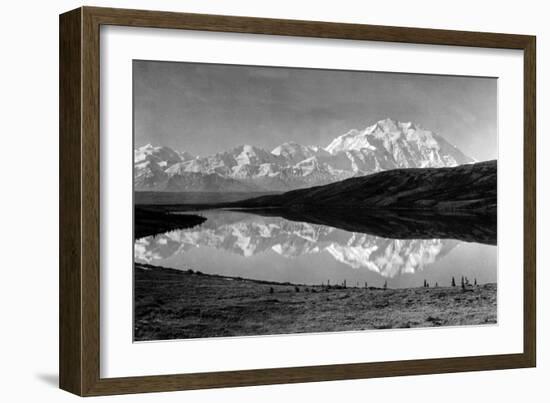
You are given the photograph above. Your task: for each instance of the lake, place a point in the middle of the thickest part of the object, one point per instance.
(269, 247)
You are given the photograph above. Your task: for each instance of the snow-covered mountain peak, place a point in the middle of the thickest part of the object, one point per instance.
(288, 146)
(391, 144)
(295, 152)
(352, 140)
(163, 156)
(388, 125)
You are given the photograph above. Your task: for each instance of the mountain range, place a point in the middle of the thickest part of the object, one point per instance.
(384, 145)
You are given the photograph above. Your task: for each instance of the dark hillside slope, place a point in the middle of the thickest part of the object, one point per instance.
(471, 187)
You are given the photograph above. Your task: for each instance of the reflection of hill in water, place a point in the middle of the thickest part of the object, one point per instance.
(400, 224)
(250, 234)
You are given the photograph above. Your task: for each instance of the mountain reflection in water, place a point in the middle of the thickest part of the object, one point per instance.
(279, 249)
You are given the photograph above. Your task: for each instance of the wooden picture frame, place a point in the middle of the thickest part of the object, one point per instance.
(79, 348)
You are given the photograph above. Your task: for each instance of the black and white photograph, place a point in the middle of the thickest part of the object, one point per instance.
(283, 200)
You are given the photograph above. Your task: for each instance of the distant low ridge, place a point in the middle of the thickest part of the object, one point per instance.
(385, 145)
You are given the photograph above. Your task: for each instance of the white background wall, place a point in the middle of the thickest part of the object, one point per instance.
(29, 202)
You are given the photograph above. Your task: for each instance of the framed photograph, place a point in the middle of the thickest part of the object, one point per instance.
(249, 201)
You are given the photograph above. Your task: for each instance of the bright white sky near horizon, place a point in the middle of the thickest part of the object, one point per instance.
(207, 108)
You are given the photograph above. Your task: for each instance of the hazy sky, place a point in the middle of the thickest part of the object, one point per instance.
(206, 108)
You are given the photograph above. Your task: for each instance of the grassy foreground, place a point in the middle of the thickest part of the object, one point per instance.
(173, 304)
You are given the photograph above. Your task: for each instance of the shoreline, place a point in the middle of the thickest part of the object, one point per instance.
(146, 266)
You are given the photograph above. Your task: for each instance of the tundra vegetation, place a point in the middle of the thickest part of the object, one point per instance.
(179, 304)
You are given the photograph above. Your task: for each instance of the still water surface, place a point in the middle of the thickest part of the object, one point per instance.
(273, 248)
